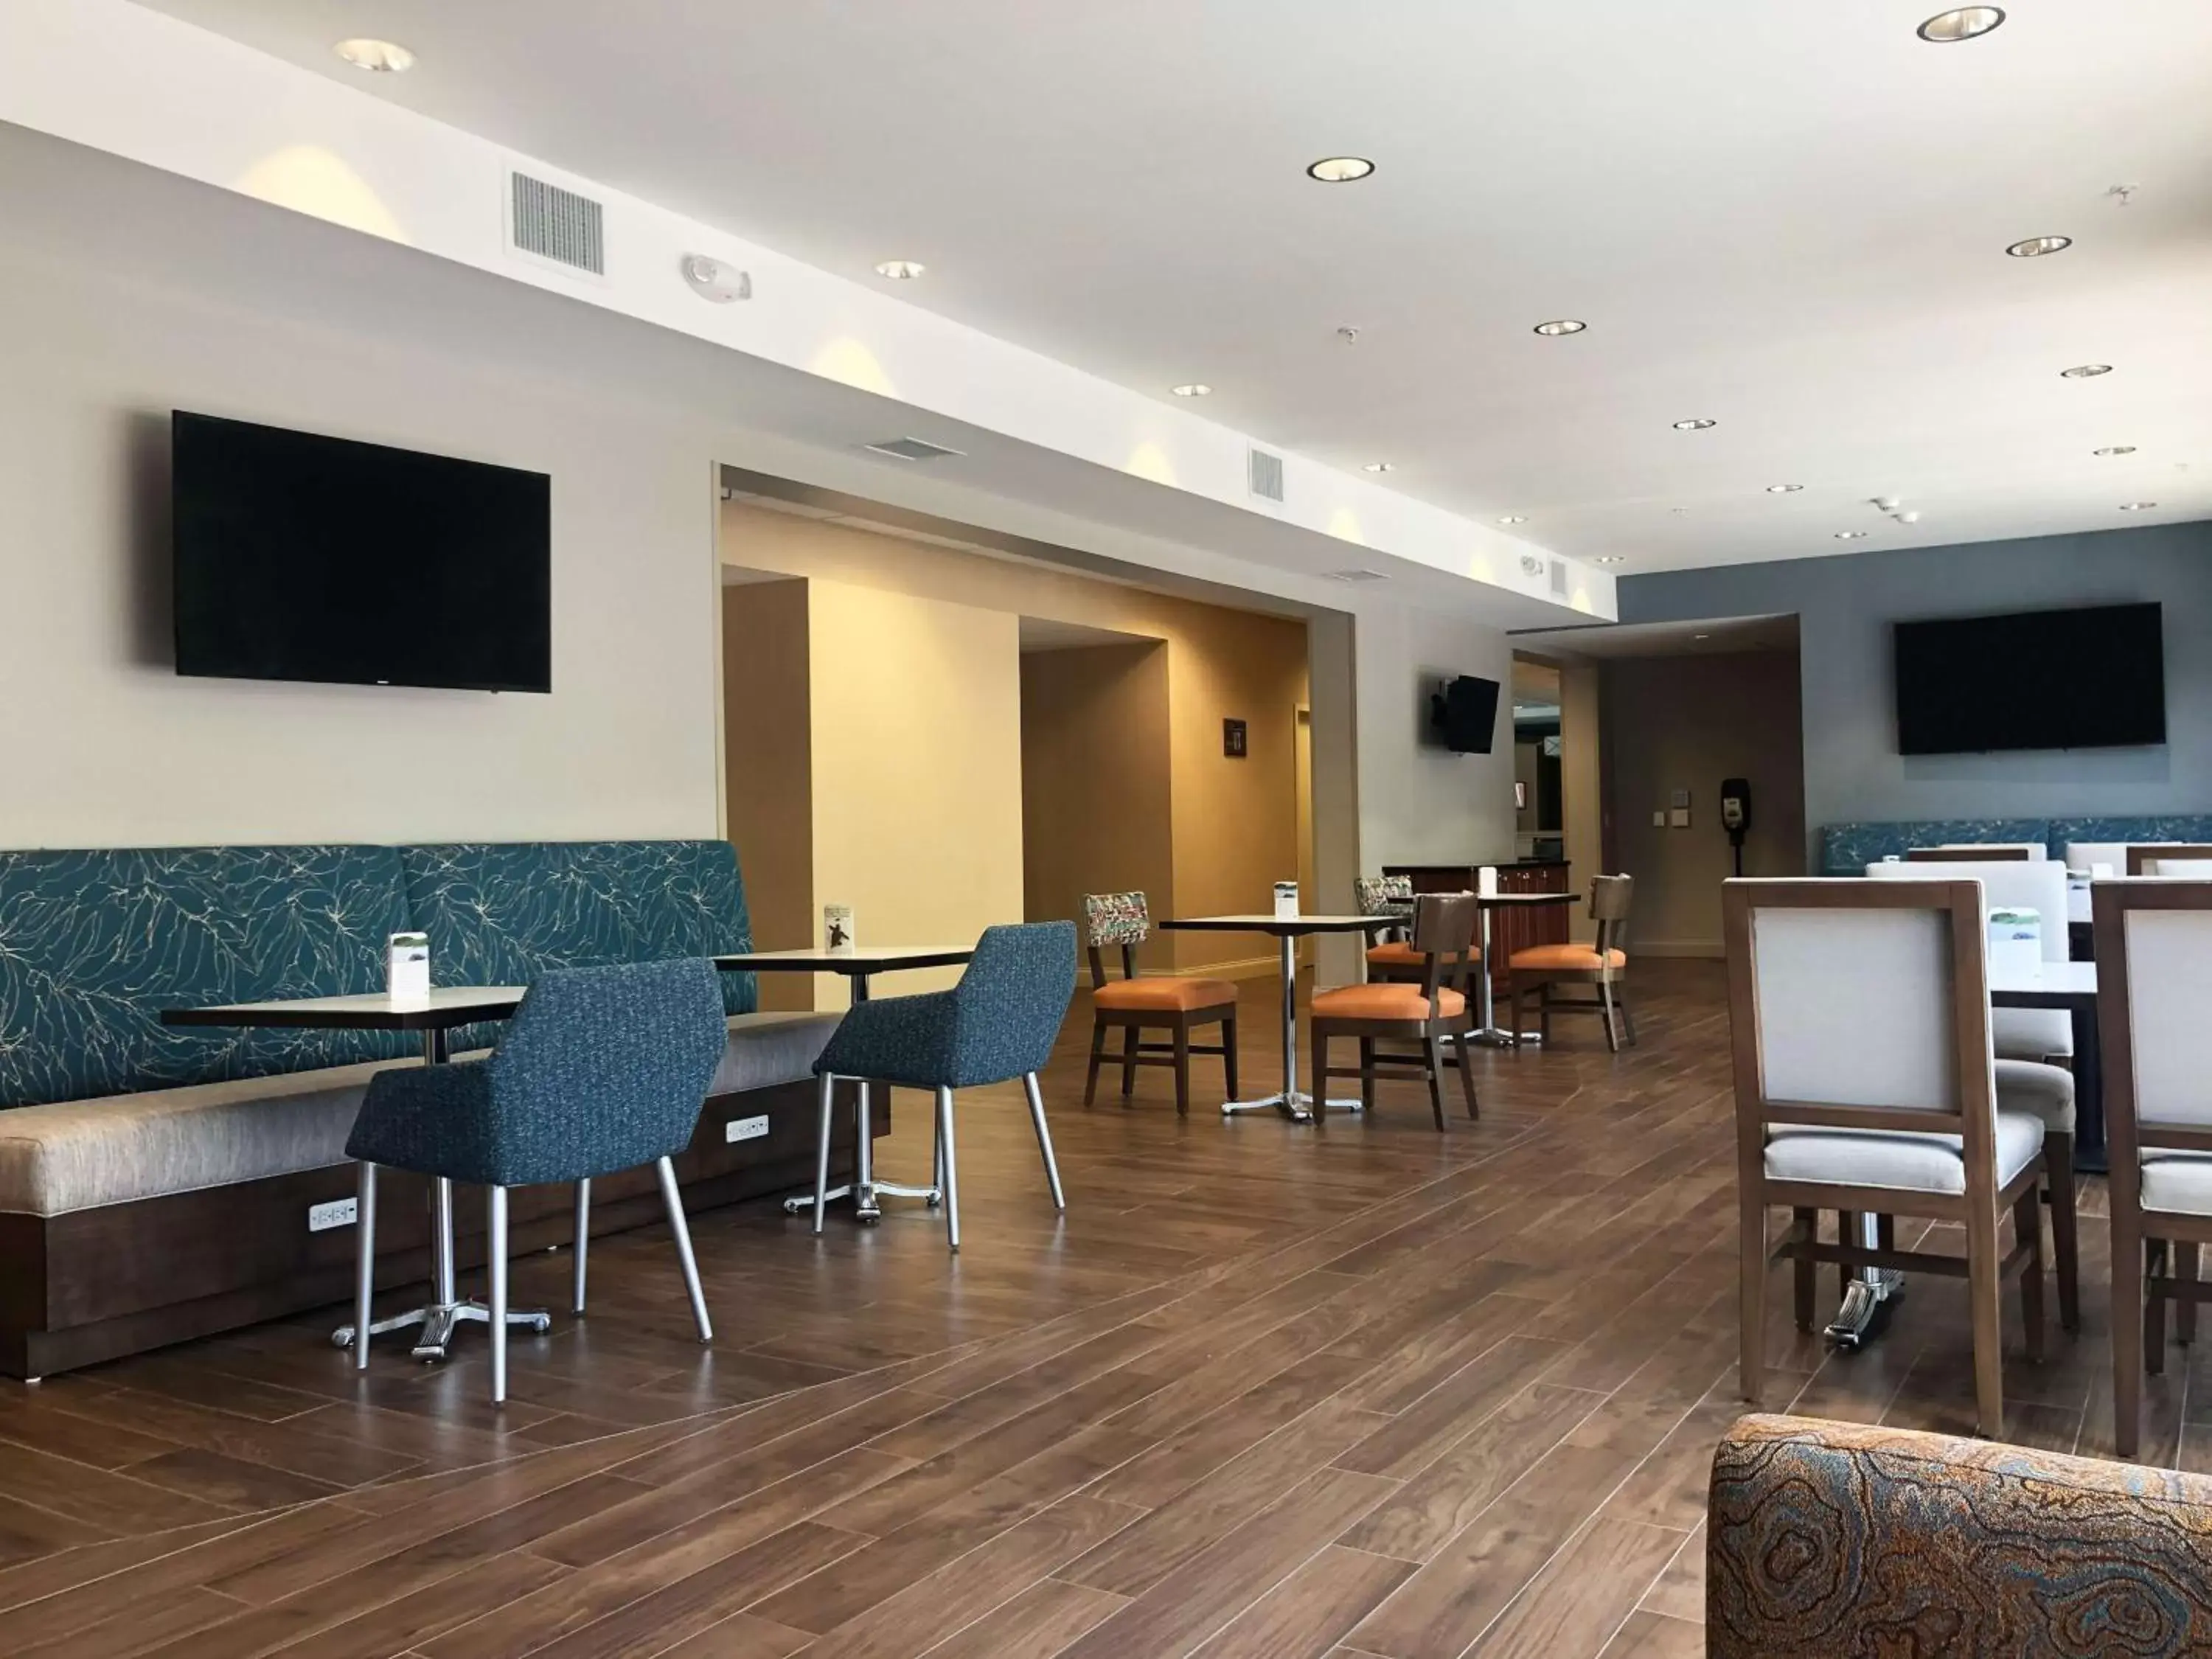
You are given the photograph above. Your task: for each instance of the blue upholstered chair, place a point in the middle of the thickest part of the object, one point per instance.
(997, 1024)
(601, 1069)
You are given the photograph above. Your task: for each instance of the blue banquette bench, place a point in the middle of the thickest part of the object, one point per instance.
(156, 1183)
(1846, 849)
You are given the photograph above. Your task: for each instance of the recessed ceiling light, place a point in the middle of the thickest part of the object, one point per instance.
(1851, 535)
(1698, 425)
(1561, 325)
(2115, 449)
(1341, 169)
(1513, 518)
(1962, 23)
(1610, 558)
(1378, 466)
(2036, 246)
(900, 271)
(1701, 636)
(2086, 371)
(1192, 389)
(2137, 506)
(1783, 490)
(377, 56)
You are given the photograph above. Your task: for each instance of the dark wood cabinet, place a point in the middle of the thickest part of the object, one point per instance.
(1513, 928)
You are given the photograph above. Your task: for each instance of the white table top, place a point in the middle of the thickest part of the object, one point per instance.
(375, 1010)
(2048, 982)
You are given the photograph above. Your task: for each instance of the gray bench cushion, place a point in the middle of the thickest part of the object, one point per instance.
(767, 1049)
(80, 1154)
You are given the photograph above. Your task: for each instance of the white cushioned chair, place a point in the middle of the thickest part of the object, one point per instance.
(2039, 884)
(2155, 958)
(1865, 1084)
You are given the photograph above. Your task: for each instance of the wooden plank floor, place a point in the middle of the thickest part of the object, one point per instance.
(1265, 1390)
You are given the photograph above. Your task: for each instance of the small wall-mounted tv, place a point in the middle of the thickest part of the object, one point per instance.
(1465, 714)
(301, 557)
(2090, 678)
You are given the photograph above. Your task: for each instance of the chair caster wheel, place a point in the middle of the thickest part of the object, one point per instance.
(542, 1324)
(868, 1218)
(342, 1339)
(935, 1202)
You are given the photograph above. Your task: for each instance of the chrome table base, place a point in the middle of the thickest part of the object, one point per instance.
(439, 1319)
(1864, 1297)
(864, 1190)
(1292, 1102)
(438, 1323)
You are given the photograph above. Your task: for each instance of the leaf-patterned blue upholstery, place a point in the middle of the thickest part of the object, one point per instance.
(94, 943)
(600, 1069)
(1846, 849)
(504, 913)
(998, 1024)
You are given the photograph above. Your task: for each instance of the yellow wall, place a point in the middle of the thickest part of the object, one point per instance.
(1234, 823)
(874, 759)
(917, 749)
(768, 770)
(1096, 799)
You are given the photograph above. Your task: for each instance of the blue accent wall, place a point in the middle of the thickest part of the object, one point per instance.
(1845, 606)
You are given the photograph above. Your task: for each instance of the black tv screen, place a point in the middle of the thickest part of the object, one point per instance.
(300, 557)
(1467, 712)
(2092, 679)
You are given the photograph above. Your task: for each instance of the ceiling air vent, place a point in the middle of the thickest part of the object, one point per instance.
(1559, 577)
(1358, 576)
(912, 449)
(1266, 475)
(557, 224)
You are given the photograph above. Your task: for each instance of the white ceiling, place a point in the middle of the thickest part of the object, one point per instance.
(1789, 218)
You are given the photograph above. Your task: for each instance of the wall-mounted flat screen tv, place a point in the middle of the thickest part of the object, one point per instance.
(1465, 714)
(2092, 679)
(300, 557)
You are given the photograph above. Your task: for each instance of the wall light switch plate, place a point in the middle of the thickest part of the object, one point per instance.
(1680, 815)
(1678, 797)
(1659, 819)
(745, 1128)
(339, 1213)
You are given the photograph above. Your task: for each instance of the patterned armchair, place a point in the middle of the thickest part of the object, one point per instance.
(601, 1069)
(997, 1024)
(1854, 1542)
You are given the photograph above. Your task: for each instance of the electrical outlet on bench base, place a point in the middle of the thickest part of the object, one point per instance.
(745, 1128)
(339, 1212)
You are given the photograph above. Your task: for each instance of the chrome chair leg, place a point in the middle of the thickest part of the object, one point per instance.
(828, 1090)
(677, 1225)
(951, 1155)
(364, 1286)
(1044, 1139)
(496, 1198)
(583, 1238)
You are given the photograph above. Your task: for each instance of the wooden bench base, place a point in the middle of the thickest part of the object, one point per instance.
(78, 1289)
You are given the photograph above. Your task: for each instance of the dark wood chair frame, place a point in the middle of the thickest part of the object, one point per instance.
(1609, 901)
(1443, 931)
(2145, 1242)
(2151, 853)
(1177, 1051)
(1979, 1209)
(1968, 856)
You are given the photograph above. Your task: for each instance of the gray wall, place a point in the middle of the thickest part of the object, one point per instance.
(1845, 606)
(1686, 723)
